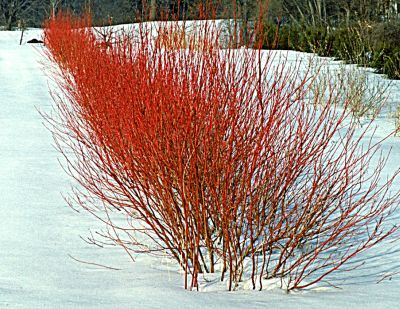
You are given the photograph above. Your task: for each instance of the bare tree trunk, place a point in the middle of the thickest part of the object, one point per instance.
(54, 4)
(319, 9)
(9, 22)
(22, 27)
(347, 17)
(153, 9)
(312, 12)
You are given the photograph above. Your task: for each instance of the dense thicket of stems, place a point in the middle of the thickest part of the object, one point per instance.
(214, 157)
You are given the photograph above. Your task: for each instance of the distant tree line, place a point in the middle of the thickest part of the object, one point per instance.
(33, 12)
(330, 12)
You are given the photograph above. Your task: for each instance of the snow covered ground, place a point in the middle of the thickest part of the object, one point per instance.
(39, 232)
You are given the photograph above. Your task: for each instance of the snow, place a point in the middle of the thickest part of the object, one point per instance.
(39, 233)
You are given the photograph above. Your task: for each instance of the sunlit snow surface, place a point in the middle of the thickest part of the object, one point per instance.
(39, 232)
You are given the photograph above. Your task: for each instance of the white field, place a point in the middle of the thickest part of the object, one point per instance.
(39, 232)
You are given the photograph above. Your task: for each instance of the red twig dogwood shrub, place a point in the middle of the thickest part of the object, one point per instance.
(214, 157)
